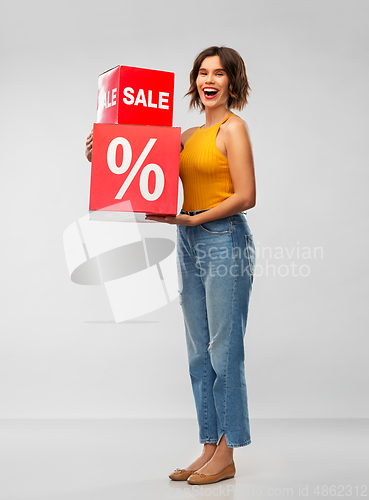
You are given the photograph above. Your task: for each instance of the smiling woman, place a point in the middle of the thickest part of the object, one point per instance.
(212, 81)
(232, 66)
(216, 259)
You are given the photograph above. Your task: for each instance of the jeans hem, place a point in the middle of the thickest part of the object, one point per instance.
(230, 445)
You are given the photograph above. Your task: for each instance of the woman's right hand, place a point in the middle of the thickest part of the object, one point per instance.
(88, 150)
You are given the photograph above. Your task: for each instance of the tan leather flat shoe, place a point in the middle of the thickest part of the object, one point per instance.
(181, 474)
(227, 473)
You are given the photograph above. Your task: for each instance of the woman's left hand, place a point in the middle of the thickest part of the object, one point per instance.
(180, 220)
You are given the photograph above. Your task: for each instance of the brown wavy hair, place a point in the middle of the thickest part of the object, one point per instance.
(234, 66)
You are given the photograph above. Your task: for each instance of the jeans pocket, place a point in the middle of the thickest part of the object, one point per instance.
(251, 254)
(221, 226)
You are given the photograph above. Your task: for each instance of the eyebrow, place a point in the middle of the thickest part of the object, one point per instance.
(219, 69)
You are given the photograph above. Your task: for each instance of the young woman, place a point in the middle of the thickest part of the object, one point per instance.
(216, 258)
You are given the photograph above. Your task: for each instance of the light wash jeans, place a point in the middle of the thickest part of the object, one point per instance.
(216, 263)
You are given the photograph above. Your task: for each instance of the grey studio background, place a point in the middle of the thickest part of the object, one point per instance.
(62, 355)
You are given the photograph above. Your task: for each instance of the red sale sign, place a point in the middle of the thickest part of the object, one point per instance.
(128, 95)
(135, 164)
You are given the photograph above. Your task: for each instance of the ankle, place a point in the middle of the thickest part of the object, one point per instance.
(224, 452)
(209, 449)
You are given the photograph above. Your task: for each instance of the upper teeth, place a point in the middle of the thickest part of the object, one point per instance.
(211, 90)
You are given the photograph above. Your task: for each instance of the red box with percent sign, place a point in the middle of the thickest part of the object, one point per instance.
(128, 95)
(135, 169)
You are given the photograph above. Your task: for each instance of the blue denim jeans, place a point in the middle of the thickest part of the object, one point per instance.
(216, 262)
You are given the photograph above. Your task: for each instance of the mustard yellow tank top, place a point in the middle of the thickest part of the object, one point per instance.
(204, 171)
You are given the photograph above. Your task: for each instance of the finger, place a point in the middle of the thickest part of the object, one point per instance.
(157, 219)
(171, 220)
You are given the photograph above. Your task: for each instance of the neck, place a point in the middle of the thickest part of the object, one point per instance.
(215, 115)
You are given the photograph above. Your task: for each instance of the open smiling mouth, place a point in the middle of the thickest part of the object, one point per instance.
(210, 93)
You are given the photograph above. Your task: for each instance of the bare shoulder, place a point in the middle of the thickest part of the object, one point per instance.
(236, 128)
(235, 124)
(186, 135)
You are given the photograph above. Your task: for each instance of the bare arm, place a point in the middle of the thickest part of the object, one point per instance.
(241, 167)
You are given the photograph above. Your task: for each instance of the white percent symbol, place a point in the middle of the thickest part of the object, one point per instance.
(126, 163)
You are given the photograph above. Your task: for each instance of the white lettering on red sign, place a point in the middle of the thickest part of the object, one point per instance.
(129, 98)
(163, 100)
(126, 164)
(109, 98)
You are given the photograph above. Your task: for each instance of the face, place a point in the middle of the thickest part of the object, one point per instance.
(212, 83)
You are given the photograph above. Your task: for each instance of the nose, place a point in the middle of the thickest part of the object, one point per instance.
(209, 78)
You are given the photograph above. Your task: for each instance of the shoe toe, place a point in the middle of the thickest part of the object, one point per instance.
(227, 473)
(195, 478)
(180, 474)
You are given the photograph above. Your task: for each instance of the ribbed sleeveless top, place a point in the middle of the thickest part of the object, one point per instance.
(204, 171)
